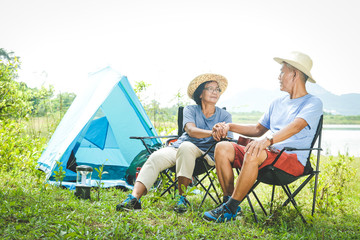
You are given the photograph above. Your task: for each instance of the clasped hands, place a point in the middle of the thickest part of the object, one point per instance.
(220, 131)
(254, 148)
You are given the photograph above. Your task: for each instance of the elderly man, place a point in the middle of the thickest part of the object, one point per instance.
(292, 121)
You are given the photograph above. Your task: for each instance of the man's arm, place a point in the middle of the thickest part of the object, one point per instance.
(255, 147)
(247, 130)
(291, 129)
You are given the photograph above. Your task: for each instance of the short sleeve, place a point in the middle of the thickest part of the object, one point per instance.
(265, 118)
(311, 112)
(188, 115)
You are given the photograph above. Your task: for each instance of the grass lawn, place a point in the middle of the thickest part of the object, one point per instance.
(30, 209)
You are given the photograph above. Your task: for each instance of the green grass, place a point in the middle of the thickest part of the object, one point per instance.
(30, 209)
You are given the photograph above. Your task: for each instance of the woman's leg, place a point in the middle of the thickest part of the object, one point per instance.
(160, 160)
(185, 163)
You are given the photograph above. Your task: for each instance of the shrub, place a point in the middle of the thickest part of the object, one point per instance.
(336, 173)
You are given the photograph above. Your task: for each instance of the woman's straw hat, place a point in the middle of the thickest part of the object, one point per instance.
(208, 77)
(299, 61)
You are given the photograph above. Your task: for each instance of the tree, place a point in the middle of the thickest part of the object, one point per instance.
(4, 55)
(17, 148)
(14, 96)
(140, 89)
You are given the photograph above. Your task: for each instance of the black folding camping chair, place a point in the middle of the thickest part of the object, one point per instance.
(202, 170)
(273, 176)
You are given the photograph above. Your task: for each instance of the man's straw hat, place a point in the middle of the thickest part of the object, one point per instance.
(300, 61)
(194, 84)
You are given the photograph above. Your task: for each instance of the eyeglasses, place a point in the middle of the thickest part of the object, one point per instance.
(213, 90)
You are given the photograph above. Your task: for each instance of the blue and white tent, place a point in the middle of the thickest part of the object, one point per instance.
(96, 130)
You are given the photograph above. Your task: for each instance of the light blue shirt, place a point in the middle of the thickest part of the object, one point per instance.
(284, 110)
(194, 114)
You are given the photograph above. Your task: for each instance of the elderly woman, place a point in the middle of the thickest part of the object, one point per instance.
(198, 122)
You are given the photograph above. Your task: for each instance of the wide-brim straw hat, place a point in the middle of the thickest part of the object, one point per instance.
(299, 61)
(207, 77)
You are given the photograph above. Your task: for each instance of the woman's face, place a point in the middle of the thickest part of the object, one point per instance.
(211, 93)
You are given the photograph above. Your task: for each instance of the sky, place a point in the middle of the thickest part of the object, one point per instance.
(167, 43)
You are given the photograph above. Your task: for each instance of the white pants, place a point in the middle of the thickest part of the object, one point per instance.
(184, 158)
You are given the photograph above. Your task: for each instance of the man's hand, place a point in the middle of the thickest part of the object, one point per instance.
(254, 148)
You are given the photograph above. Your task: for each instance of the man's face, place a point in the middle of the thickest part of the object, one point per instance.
(286, 78)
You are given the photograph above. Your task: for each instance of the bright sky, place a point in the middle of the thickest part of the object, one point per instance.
(167, 43)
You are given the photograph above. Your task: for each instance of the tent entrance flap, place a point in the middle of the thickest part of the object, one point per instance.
(97, 132)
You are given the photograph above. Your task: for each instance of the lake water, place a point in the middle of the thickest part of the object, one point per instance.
(341, 138)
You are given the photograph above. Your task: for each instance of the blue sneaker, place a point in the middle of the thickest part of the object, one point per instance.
(130, 203)
(181, 205)
(221, 214)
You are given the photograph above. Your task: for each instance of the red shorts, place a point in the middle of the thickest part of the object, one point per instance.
(287, 162)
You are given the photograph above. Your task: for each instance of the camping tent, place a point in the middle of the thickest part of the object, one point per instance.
(95, 131)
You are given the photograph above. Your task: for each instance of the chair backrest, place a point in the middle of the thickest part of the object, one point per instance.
(317, 133)
(180, 120)
(317, 137)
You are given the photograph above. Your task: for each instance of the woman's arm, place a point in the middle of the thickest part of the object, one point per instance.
(196, 132)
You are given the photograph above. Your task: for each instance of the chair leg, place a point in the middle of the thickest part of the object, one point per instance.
(299, 189)
(172, 185)
(288, 193)
(315, 191)
(168, 189)
(213, 186)
(252, 208)
(272, 199)
(292, 200)
(206, 193)
(259, 202)
(207, 190)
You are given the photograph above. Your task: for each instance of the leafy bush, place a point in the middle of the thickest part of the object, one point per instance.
(18, 150)
(335, 175)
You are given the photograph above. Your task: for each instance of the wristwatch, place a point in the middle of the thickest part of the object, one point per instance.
(270, 138)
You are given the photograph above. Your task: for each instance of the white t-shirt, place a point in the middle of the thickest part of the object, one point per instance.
(284, 110)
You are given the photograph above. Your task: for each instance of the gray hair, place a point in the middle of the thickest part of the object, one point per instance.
(303, 76)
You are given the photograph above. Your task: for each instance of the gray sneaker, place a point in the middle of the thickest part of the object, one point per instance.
(130, 203)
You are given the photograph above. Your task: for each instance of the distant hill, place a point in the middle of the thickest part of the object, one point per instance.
(259, 99)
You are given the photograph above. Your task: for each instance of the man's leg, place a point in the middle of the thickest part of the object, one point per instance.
(224, 157)
(248, 175)
(245, 181)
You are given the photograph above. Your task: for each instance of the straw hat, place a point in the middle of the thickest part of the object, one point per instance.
(195, 83)
(300, 61)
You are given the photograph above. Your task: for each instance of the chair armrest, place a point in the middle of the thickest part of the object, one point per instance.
(300, 149)
(152, 137)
